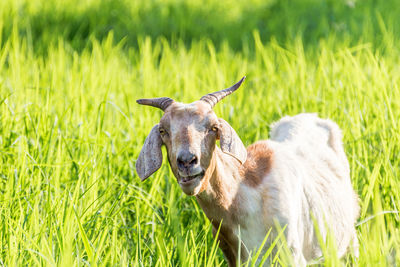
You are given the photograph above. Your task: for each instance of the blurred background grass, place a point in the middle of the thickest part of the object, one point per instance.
(76, 21)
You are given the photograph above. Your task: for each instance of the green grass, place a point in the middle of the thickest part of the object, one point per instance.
(70, 130)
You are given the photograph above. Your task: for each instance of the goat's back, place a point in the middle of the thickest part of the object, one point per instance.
(309, 133)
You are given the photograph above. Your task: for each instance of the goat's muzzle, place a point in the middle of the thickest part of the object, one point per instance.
(186, 161)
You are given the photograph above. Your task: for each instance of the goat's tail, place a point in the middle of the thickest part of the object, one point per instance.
(335, 134)
(334, 138)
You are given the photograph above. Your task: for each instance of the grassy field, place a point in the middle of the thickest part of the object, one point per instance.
(70, 130)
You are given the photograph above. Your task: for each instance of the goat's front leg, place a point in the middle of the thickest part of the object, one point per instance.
(224, 245)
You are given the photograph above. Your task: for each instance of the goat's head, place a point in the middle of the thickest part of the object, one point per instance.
(189, 132)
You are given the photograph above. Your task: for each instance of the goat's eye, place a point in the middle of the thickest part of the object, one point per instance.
(162, 131)
(214, 129)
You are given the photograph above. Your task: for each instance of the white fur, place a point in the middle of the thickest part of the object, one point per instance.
(309, 177)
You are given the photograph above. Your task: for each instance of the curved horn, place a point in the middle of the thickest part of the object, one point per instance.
(214, 98)
(161, 102)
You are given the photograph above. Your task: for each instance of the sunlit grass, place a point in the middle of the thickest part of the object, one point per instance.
(70, 133)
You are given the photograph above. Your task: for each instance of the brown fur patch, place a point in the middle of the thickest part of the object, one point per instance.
(207, 175)
(258, 163)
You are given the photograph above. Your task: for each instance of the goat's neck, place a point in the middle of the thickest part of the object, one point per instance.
(222, 186)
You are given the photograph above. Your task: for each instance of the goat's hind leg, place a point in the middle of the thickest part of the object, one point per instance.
(354, 246)
(295, 247)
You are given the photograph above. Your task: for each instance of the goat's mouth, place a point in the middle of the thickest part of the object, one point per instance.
(187, 180)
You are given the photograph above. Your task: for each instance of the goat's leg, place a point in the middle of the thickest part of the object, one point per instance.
(294, 245)
(228, 251)
(298, 257)
(355, 246)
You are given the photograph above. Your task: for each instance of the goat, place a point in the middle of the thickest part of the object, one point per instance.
(299, 178)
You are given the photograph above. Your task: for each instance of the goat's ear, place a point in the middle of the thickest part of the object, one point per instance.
(150, 157)
(230, 142)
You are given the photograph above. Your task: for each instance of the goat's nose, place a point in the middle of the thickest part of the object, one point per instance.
(186, 160)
